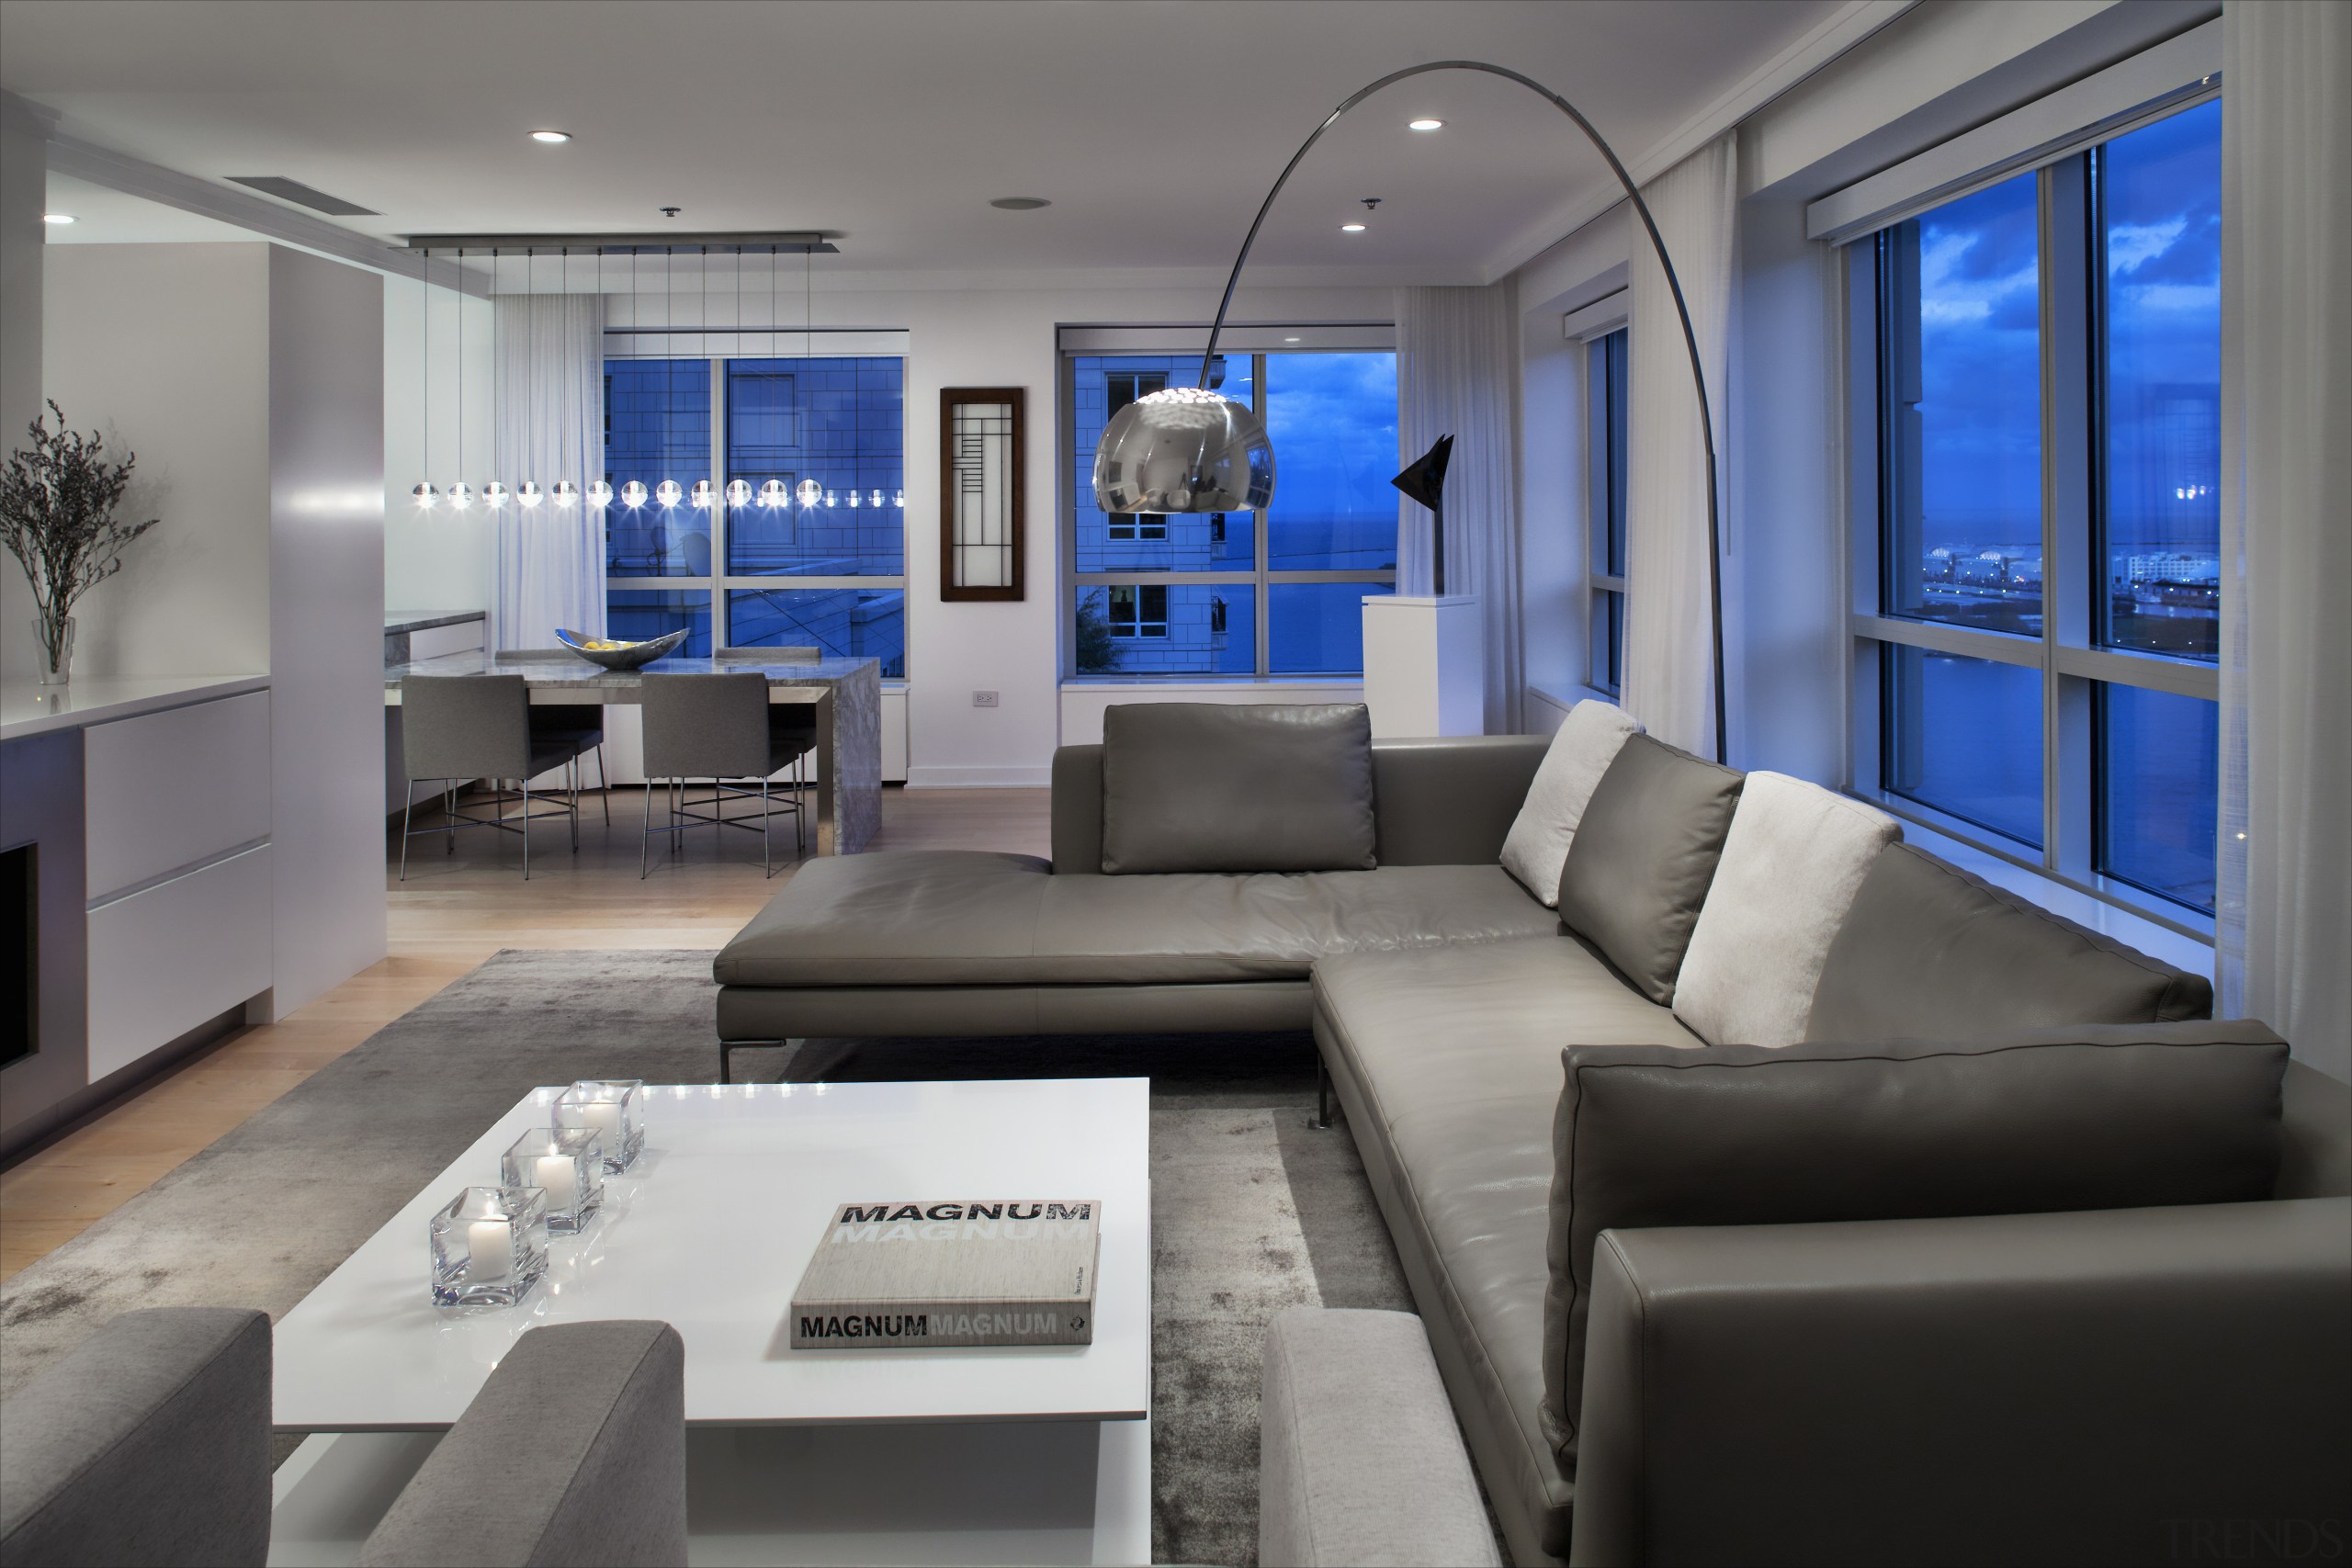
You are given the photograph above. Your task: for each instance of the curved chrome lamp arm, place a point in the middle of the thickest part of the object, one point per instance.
(1673, 283)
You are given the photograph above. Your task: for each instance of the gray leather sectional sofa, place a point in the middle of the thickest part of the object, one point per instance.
(1857, 1299)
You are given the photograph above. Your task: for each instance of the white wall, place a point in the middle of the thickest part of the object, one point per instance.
(24, 176)
(324, 396)
(437, 559)
(165, 350)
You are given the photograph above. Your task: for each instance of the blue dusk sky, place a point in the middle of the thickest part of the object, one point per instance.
(1980, 330)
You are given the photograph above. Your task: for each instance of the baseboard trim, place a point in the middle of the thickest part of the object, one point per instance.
(980, 778)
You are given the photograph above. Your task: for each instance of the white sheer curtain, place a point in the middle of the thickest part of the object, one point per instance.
(549, 566)
(2286, 856)
(1669, 638)
(1457, 375)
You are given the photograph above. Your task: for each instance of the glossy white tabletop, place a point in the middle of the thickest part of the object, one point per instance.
(709, 1231)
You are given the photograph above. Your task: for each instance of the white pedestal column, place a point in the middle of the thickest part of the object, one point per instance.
(1424, 669)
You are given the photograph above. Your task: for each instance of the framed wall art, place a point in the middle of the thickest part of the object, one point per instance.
(981, 533)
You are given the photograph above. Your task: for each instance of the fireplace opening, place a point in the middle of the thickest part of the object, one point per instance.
(19, 954)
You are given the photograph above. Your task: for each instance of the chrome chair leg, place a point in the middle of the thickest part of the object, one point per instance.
(449, 816)
(643, 869)
(527, 830)
(604, 785)
(767, 861)
(408, 805)
(575, 766)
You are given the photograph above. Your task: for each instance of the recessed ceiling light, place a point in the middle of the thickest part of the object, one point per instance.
(1350, 228)
(1425, 125)
(1290, 339)
(1020, 203)
(56, 218)
(551, 138)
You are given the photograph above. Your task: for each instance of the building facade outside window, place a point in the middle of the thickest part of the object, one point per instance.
(2038, 580)
(1278, 593)
(830, 576)
(1605, 404)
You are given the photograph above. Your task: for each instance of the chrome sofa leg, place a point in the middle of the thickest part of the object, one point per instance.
(1322, 1093)
(527, 830)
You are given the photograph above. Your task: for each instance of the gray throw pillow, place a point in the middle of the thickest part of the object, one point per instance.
(1909, 960)
(2100, 1117)
(1212, 786)
(1643, 857)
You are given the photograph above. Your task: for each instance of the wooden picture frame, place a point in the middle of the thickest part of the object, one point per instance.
(983, 533)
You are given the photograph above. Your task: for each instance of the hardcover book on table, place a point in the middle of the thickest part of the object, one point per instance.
(952, 1273)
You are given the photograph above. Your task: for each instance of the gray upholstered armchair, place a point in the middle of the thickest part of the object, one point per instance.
(151, 1444)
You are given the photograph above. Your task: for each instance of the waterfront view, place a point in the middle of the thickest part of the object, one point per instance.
(1963, 359)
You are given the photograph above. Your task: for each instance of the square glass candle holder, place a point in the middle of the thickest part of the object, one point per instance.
(569, 1164)
(488, 1247)
(612, 1106)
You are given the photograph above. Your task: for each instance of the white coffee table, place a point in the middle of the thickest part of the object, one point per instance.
(999, 1455)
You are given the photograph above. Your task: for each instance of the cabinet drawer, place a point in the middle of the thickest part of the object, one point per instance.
(174, 789)
(168, 957)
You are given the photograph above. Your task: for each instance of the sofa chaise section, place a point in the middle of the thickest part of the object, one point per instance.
(966, 942)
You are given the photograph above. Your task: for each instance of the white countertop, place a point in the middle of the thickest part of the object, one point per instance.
(28, 708)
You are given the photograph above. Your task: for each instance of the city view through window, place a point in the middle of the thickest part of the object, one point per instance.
(1277, 592)
(837, 422)
(1967, 345)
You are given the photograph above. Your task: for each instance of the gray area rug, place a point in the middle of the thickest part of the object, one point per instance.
(1252, 1210)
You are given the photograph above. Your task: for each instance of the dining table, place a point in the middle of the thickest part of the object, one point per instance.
(845, 693)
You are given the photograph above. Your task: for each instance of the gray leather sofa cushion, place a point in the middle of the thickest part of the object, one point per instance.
(1643, 857)
(2113, 1117)
(1210, 786)
(1447, 1059)
(960, 918)
(1930, 953)
(1435, 802)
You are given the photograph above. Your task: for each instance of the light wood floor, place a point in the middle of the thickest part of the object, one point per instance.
(453, 912)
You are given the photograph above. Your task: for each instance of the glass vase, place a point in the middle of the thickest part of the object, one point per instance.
(55, 642)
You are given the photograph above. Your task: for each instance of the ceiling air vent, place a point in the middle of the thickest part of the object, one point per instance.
(296, 191)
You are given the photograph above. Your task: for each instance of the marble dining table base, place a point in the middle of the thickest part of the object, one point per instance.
(845, 693)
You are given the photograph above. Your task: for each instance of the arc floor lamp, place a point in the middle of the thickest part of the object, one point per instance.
(1190, 449)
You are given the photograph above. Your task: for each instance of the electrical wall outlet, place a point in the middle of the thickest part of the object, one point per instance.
(984, 699)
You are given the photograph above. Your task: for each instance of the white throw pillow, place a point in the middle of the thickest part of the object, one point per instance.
(1794, 860)
(1537, 846)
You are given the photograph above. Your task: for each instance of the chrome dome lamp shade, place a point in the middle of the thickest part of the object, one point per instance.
(633, 494)
(493, 496)
(460, 498)
(600, 493)
(700, 495)
(668, 494)
(427, 497)
(527, 495)
(1184, 449)
(773, 494)
(739, 494)
(808, 492)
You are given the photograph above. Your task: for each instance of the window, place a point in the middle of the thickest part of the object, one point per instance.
(1275, 593)
(1605, 405)
(830, 576)
(2039, 580)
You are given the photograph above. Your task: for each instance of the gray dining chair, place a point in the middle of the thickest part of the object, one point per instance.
(717, 727)
(457, 728)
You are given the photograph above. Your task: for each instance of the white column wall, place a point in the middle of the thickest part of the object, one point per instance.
(24, 177)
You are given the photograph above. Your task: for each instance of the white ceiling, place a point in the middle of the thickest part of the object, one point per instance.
(1153, 126)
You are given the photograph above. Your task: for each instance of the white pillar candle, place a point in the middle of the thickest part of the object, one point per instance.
(605, 1116)
(561, 1175)
(490, 1243)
